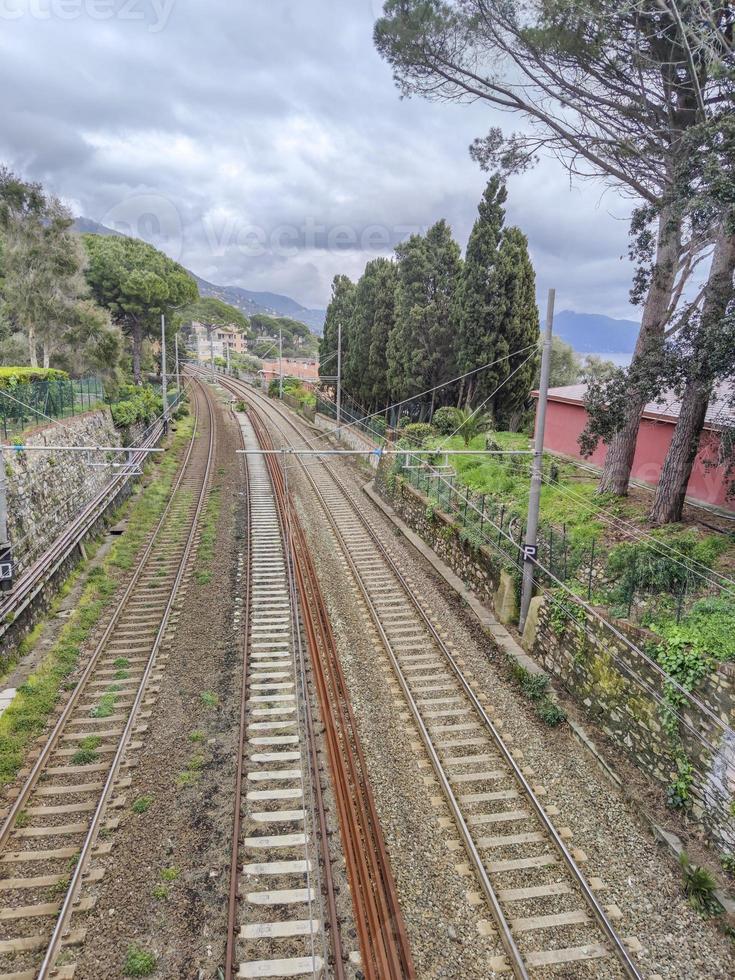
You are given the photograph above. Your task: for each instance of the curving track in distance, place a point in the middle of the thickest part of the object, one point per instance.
(65, 807)
(547, 914)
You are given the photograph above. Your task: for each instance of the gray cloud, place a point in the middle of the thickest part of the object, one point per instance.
(264, 144)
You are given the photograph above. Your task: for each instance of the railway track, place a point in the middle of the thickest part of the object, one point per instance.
(548, 916)
(65, 808)
(284, 917)
(280, 853)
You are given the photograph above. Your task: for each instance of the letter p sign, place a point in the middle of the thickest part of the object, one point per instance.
(530, 551)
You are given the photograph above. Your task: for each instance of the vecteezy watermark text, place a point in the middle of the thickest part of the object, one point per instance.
(154, 14)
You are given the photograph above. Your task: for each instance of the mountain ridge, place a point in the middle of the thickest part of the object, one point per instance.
(595, 333)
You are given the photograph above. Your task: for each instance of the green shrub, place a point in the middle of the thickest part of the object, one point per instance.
(447, 420)
(418, 432)
(11, 377)
(699, 886)
(648, 566)
(139, 962)
(136, 404)
(709, 629)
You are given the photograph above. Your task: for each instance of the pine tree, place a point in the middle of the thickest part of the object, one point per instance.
(479, 325)
(339, 312)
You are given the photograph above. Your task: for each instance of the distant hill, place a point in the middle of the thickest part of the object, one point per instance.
(243, 299)
(592, 333)
(257, 302)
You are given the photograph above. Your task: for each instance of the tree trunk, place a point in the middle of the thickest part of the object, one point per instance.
(677, 468)
(619, 461)
(46, 354)
(137, 338)
(32, 352)
(674, 479)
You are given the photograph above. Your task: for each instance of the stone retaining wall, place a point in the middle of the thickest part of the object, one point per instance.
(614, 685)
(46, 489)
(624, 695)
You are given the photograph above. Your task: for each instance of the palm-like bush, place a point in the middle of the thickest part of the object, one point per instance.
(470, 424)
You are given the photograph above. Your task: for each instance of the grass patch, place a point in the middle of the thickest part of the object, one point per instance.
(208, 539)
(22, 820)
(196, 736)
(25, 719)
(160, 892)
(171, 873)
(209, 699)
(121, 663)
(105, 708)
(139, 962)
(187, 778)
(142, 804)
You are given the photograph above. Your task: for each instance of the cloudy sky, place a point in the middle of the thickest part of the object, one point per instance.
(263, 144)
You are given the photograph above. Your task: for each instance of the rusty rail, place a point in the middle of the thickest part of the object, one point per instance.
(382, 934)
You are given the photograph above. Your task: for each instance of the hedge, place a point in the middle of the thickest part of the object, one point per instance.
(12, 376)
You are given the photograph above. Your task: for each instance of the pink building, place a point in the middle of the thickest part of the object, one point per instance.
(306, 370)
(567, 417)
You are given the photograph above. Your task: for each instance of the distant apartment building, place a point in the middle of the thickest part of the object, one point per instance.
(223, 338)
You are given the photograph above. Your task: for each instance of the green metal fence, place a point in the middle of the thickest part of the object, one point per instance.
(29, 404)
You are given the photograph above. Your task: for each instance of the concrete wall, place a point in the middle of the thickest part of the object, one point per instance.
(609, 681)
(47, 489)
(351, 438)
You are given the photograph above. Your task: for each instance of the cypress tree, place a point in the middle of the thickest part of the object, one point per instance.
(339, 312)
(479, 320)
(422, 343)
(514, 298)
(365, 373)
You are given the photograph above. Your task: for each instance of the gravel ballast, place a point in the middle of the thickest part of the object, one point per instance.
(639, 876)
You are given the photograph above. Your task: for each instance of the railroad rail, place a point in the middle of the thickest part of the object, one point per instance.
(57, 823)
(280, 854)
(36, 577)
(384, 949)
(548, 916)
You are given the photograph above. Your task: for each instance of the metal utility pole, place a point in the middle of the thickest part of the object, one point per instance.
(6, 560)
(164, 382)
(228, 357)
(176, 354)
(530, 548)
(339, 381)
(211, 354)
(280, 363)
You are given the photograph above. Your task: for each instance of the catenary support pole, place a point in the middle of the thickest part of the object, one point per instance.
(228, 358)
(530, 548)
(164, 380)
(176, 355)
(211, 354)
(339, 381)
(5, 558)
(280, 363)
